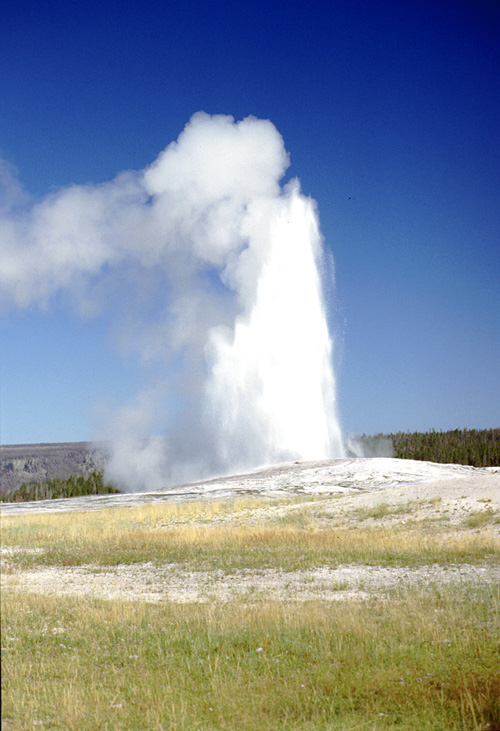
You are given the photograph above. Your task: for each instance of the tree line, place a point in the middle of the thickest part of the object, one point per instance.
(474, 447)
(74, 486)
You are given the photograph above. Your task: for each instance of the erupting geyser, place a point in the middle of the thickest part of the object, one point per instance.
(271, 389)
(215, 271)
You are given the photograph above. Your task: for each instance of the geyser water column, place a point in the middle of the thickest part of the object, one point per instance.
(271, 388)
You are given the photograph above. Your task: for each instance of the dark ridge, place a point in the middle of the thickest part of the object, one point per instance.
(38, 463)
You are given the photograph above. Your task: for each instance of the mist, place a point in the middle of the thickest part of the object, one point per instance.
(211, 271)
(376, 445)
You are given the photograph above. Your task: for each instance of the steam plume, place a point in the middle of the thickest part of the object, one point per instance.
(213, 268)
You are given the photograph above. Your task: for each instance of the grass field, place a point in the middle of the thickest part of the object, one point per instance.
(414, 657)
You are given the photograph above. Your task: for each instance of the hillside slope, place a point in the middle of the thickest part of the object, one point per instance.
(22, 463)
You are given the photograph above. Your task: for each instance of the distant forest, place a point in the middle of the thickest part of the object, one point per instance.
(74, 486)
(474, 447)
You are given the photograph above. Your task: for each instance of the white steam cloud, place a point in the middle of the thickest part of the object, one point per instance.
(213, 269)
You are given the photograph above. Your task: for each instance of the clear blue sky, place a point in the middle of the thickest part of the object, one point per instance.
(390, 113)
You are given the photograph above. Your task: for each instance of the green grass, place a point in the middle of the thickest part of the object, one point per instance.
(421, 661)
(481, 518)
(382, 510)
(232, 550)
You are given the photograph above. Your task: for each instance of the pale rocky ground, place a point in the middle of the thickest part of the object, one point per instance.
(342, 491)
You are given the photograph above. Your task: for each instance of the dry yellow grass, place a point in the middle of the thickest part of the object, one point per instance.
(235, 535)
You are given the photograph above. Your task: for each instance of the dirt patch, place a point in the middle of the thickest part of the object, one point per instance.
(149, 583)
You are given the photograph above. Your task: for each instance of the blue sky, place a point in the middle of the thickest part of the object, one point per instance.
(390, 113)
